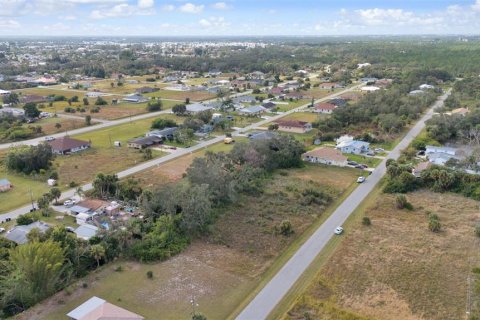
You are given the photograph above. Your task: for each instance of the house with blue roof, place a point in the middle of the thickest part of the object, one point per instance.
(353, 147)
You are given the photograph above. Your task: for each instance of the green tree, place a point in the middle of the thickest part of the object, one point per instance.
(55, 193)
(100, 102)
(163, 123)
(31, 110)
(88, 120)
(85, 101)
(179, 109)
(105, 186)
(154, 105)
(12, 98)
(98, 253)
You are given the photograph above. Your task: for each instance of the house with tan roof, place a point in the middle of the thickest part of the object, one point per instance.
(460, 111)
(324, 107)
(99, 309)
(295, 126)
(325, 155)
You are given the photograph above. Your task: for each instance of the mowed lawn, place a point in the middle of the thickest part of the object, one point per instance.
(290, 104)
(181, 96)
(397, 268)
(23, 189)
(104, 157)
(219, 270)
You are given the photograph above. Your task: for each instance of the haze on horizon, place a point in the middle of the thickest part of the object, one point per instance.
(237, 17)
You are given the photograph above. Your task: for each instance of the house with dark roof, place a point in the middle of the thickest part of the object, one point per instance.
(339, 102)
(146, 90)
(18, 234)
(144, 142)
(135, 98)
(253, 110)
(33, 98)
(294, 126)
(269, 105)
(99, 309)
(66, 145)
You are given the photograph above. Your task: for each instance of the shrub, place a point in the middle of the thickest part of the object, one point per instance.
(477, 229)
(366, 221)
(150, 274)
(25, 219)
(72, 184)
(285, 228)
(434, 223)
(84, 285)
(401, 202)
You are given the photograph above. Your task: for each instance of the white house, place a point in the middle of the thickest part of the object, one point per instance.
(4, 93)
(344, 138)
(426, 86)
(354, 146)
(440, 155)
(325, 155)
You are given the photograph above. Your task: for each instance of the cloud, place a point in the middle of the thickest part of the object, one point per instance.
(213, 22)
(168, 7)
(145, 4)
(9, 24)
(11, 7)
(68, 18)
(220, 6)
(122, 10)
(191, 8)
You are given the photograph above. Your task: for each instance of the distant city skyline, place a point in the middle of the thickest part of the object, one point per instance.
(237, 17)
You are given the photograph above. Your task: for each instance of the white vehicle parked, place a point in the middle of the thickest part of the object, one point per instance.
(2, 230)
(338, 230)
(49, 138)
(69, 203)
(361, 179)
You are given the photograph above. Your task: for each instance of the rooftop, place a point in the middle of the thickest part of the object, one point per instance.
(99, 309)
(67, 143)
(19, 233)
(327, 153)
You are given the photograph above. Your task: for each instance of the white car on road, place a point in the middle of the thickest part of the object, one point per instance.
(361, 179)
(338, 230)
(69, 203)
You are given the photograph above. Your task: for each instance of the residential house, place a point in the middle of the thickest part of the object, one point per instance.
(244, 99)
(294, 95)
(460, 111)
(214, 104)
(253, 110)
(33, 98)
(4, 93)
(440, 155)
(86, 231)
(344, 138)
(324, 107)
(144, 142)
(276, 90)
(426, 87)
(295, 126)
(354, 147)
(339, 102)
(328, 85)
(214, 72)
(324, 155)
(215, 89)
(166, 133)
(143, 90)
(369, 88)
(259, 75)
(135, 98)
(5, 185)
(99, 309)
(66, 145)
(269, 105)
(18, 234)
(368, 80)
(263, 135)
(197, 107)
(419, 168)
(95, 94)
(416, 92)
(363, 65)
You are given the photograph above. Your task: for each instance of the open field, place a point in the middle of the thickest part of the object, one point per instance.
(182, 95)
(219, 270)
(396, 268)
(23, 186)
(291, 104)
(305, 116)
(369, 161)
(318, 93)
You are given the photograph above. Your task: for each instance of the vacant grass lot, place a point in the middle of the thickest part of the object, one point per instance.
(182, 95)
(369, 161)
(291, 104)
(305, 116)
(219, 270)
(396, 268)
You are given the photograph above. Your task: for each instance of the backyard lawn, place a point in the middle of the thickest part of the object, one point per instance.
(182, 95)
(369, 161)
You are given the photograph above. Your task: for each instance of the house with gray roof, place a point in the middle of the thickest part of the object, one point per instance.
(253, 110)
(135, 98)
(197, 107)
(86, 231)
(166, 133)
(354, 146)
(18, 234)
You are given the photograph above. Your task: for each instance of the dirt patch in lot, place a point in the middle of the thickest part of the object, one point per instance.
(397, 268)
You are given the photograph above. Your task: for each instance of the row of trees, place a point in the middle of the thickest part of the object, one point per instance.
(29, 159)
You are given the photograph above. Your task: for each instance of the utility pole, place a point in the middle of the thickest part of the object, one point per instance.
(31, 199)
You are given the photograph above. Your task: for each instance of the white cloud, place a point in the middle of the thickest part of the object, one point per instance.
(145, 4)
(9, 24)
(11, 7)
(99, 2)
(68, 18)
(168, 7)
(120, 10)
(215, 22)
(191, 8)
(220, 6)
(271, 11)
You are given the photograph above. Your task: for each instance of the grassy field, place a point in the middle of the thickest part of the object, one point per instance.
(291, 104)
(182, 95)
(23, 187)
(219, 270)
(305, 116)
(396, 268)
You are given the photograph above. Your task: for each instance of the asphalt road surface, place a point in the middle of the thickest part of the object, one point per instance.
(271, 295)
(156, 162)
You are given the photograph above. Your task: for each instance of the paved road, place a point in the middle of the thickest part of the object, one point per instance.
(271, 295)
(178, 153)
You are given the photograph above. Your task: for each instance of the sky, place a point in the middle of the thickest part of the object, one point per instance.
(238, 17)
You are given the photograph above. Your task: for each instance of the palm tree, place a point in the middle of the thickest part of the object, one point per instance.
(80, 193)
(98, 252)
